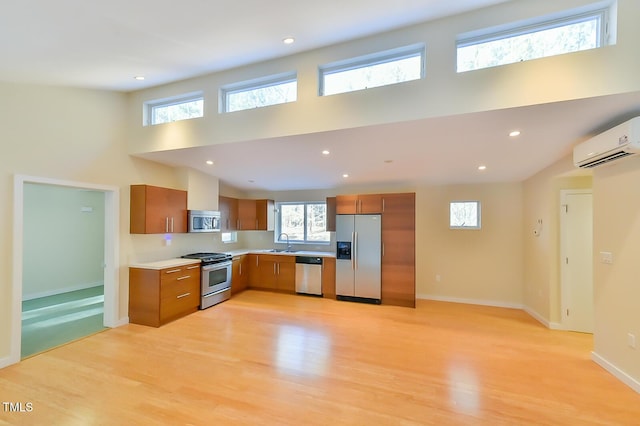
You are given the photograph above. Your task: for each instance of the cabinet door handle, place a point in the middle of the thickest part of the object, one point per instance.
(193, 267)
(183, 278)
(182, 295)
(166, 224)
(171, 224)
(274, 269)
(240, 269)
(173, 271)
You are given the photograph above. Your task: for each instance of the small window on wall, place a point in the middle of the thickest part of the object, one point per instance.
(379, 69)
(464, 215)
(229, 237)
(167, 110)
(262, 92)
(569, 32)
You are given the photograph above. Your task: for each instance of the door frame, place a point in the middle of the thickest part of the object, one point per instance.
(564, 290)
(111, 253)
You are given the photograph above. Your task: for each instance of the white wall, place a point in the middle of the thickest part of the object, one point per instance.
(597, 72)
(616, 202)
(63, 245)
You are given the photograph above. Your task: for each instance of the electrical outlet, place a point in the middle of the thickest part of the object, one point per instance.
(631, 340)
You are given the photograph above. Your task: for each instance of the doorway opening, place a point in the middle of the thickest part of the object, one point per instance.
(81, 300)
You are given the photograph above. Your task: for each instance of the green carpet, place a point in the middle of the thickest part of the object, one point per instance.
(51, 321)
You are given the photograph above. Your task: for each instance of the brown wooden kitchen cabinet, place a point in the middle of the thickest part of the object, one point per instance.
(398, 251)
(265, 215)
(359, 204)
(331, 214)
(156, 210)
(239, 274)
(329, 277)
(228, 208)
(246, 215)
(158, 296)
(273, 272)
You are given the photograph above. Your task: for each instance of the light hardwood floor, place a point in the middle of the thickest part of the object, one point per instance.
(274, 359)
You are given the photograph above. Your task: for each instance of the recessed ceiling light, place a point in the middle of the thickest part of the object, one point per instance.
(209, 162)
(346, 175)
(514, 133)
(251, 181)
(482, 167)
(139, 77)
(325, 152)
(388, 161)
(288, 40)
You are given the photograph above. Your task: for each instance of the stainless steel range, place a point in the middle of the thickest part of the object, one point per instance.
(215, 281)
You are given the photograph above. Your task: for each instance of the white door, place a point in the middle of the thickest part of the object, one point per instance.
(576, 224)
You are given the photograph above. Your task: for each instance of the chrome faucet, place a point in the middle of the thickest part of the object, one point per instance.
(286, 235)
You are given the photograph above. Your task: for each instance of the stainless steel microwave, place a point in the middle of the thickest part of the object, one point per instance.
(204, 221)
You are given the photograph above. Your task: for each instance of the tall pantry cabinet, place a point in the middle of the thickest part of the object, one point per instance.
(398, 250)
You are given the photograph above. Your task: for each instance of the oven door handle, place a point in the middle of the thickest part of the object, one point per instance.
(216, 266)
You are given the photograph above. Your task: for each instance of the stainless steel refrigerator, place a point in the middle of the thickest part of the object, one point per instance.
(358, 256)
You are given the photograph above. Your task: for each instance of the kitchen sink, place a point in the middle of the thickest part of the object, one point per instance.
(281, 251)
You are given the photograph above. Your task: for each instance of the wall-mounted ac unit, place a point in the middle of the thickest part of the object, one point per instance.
(611, 145)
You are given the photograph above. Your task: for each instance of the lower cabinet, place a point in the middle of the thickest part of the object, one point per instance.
(239, 274)
(273, 272)
(158, 296)
(329, 277)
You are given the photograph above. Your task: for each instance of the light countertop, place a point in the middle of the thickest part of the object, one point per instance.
(173, 263)
(282, 253)
(162, 264)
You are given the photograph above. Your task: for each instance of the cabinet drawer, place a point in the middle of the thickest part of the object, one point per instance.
(176, 289)
(176, 307)
(180, 273)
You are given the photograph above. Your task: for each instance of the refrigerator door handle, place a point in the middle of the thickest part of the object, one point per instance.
(355, 250)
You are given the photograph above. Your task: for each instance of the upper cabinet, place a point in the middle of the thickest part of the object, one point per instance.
(228, 213)
(359, 204)
(156, 210)
(246, 215)
(331, 214)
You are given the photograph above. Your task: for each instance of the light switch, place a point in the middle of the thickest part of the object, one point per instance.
(606, 257)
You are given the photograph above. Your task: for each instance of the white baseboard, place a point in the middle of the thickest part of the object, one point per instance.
(40, 294)
(498, 304)
(550, 325)
(5, 362)
(616, 372)
(121, 322)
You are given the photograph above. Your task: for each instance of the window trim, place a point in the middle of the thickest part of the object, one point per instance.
(377, 58)
(602, 11)
(255, 84)
(148, 107)
(278, 224)
(478, 214)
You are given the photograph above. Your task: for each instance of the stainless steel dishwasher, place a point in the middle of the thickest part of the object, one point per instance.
(309, 275)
